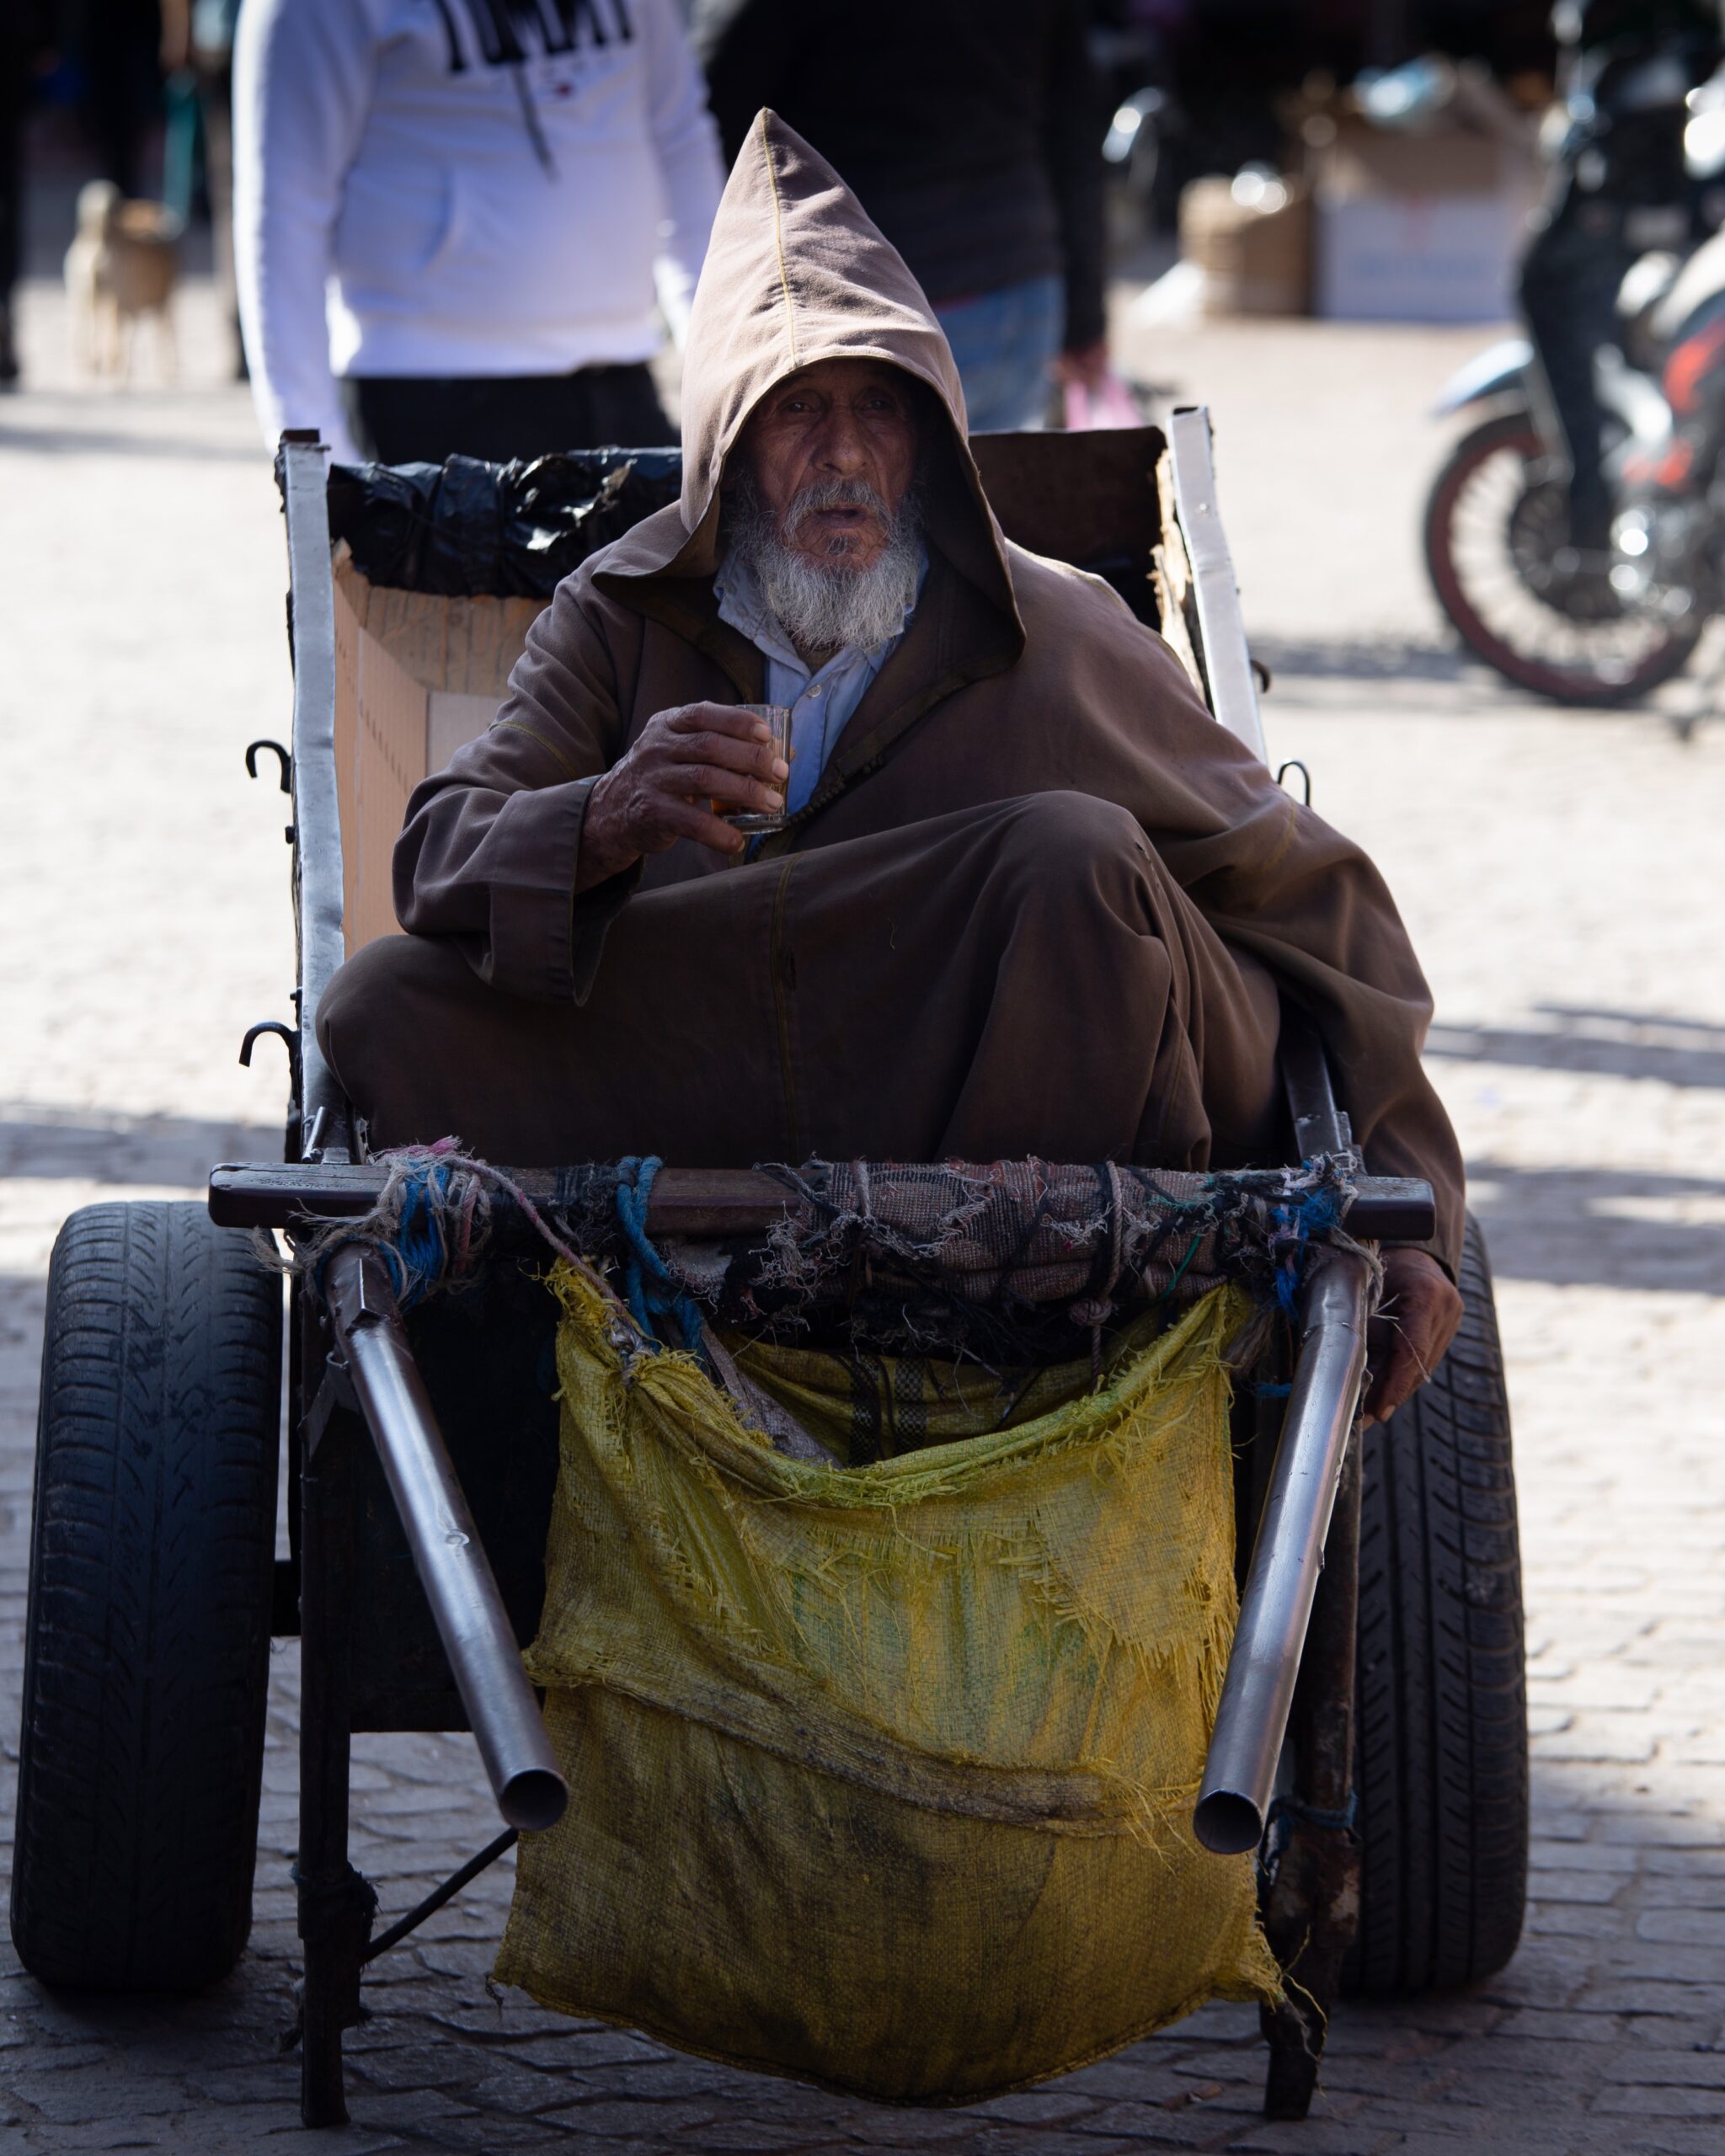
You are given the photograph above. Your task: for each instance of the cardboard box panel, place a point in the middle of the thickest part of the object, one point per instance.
(416, 676)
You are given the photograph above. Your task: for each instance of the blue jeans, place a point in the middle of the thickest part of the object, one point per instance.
(1006, 343)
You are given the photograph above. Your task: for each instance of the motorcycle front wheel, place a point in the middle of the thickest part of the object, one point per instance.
(1496, 527)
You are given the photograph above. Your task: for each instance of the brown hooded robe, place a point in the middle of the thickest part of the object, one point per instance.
(1039, 903)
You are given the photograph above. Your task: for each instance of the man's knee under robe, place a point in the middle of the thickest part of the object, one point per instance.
(1022, 977)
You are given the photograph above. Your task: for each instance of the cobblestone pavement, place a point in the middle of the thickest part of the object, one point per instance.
(1561, 873)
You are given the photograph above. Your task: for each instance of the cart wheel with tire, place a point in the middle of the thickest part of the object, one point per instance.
(151, 1572)
(1440, 1684)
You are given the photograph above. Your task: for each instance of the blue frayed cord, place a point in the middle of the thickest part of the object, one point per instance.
(418, 1257)
(649, 1289)
(1315, 1213)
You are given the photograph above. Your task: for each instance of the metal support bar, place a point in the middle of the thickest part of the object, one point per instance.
(471, 1622)
(692, 1200)
(1311, 1911)
(1320, 1126)
(335, 1905)
(1221, 637)
(317, 815)
(439, 1895)
(1252, 1720)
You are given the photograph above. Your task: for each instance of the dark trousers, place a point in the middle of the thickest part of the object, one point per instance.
(1569, 280)
(216, 109)
(14, 84)
(405, 420)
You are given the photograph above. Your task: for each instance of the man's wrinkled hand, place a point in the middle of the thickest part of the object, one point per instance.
(664, 786)
(1415, 1323)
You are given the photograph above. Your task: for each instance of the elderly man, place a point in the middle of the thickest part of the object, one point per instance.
(1030, 898)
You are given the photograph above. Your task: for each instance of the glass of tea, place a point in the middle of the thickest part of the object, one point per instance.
(778, 719)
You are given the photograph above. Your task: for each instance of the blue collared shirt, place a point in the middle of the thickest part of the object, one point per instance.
(821, 703)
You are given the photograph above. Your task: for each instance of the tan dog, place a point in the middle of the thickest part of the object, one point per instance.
(121, 267)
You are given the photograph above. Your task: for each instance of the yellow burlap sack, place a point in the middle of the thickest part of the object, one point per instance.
(882, 1775)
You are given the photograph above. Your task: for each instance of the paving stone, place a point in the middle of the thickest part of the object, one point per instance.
(1684, 1927)
(1428, 2137)
(1697, 1965)
(651, 2077)
(488, 2134)
(570, 2048)
(1671, 2103)
(1574, 1920)
(1672, 2032)
(413, 2065)
(1695, 2066)
(1319, 2137)
(1670, 2137)
(1642, 1995)
(1193, 2123)
(1651, 1831)
(1196, 2127)
(1576, 1854)
(1553, 2027)
(1047, 2141)
(522, 2090)
(1488, 2088)
(1551, 1887)
(1043, 2106)
(1691, 1889)
(741, 2135)
(1555, 1825)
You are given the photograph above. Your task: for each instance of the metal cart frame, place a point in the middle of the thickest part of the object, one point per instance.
(357, 1396)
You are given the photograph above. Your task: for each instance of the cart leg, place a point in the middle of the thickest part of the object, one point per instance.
(335, 1904)
(1313, 1908)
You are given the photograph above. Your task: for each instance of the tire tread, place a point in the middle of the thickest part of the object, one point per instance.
(1441, 1711)
(147, 1636)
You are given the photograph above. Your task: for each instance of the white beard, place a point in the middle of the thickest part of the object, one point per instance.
(825, 606)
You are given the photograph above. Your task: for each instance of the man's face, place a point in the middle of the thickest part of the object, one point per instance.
(833, 450)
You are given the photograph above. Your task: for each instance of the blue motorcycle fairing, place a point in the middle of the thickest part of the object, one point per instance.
(1493, 372)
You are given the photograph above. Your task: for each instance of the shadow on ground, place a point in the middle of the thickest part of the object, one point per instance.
(37, 1142)
(104, 441)
(1600, 1044)
(1600, 1228)
(1367, 659)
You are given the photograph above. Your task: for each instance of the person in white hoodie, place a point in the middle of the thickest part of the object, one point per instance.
(461, 226)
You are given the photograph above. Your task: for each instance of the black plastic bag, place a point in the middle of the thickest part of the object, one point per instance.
(468, 529)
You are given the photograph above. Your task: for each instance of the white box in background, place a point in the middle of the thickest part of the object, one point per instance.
(1420, 258)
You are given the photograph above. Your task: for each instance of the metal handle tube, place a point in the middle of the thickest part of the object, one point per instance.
(477, 1635)
(1251, 1719)
(1221, 632)
(316, 812)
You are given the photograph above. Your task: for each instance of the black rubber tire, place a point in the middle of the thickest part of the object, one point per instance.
(1514, 430)
(1442, 1691)
(147, 1657)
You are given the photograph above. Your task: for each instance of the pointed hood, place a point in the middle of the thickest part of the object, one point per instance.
(795, 272)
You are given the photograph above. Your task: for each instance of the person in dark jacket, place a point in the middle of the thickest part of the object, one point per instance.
(1618, 188)
(26, 43)
(973, 137)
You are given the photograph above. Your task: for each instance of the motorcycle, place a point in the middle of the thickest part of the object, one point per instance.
(1583, 627)
(1496, 528)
